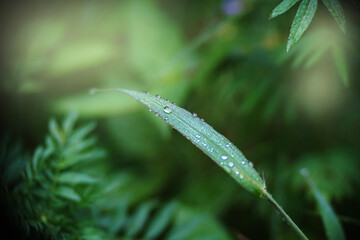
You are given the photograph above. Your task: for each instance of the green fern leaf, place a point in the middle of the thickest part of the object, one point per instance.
(75, 178)
(68, 193)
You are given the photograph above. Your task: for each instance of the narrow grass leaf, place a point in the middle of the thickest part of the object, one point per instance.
(336, 10)
(202, 135)
(340, 63)
(331, 223)
(302, 20)
(282, 8)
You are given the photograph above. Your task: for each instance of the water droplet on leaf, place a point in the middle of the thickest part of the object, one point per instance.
(231, 164)
(224, 157)
(167, 110)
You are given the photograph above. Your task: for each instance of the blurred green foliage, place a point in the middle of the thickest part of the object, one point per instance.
(222, 59)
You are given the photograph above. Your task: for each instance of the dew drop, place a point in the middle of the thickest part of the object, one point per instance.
(251, 164)
(157, 114)
(167, 110)
(204, 144)
(224, 157)
(241, 176)
(243, 162)
(194, 114)
(211, 149)
(236, 172)
(231, 164)
(228, 145)
(197, 136)
(202, 119)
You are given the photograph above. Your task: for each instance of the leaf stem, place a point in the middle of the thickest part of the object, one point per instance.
(285, 216)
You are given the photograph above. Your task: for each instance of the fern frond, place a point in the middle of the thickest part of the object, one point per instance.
(54, 185)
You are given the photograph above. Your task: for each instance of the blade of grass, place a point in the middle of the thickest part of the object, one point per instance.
(213, 144)
(331, 223)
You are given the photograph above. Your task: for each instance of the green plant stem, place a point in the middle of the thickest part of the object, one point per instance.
(285, 216)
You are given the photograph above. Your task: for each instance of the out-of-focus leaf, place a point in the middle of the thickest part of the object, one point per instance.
(282, 7)
(254, 97)
(80, 55)
(68, 193)
(190, 224)
(154, 39)
(334, 172)
(136, 223)
(161, 220)
(336, 10)
(202, 135)
(92, 155)
(302, 20)
(80, 133)
(37, 157)
(69, 122)
(75, 178)
(340, 63)
(331, 223)
(55, 131)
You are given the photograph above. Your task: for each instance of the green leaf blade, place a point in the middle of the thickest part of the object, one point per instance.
(283, 7)
(202, 135)
(331, 223)
(339, 57)
(161, 220)
(68, 193)
(302, 20)
(76, 178)
(336, 10)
